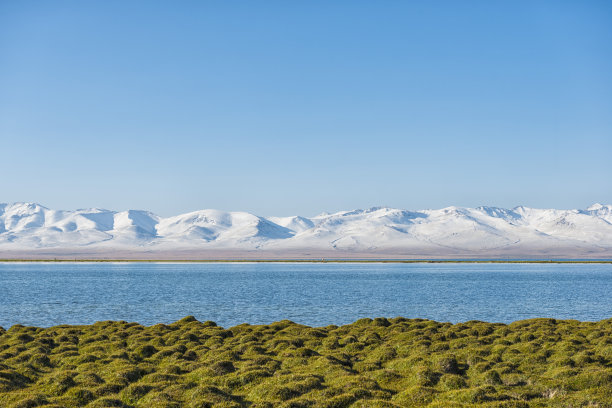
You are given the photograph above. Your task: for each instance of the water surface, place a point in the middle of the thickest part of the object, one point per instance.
(46, 294)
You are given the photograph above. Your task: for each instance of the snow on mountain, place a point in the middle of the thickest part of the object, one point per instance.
(135, 225)
(601, 211)
(296, 224)
(449, 231)
(213, 226)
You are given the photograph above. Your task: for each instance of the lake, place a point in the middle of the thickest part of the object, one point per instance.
(318, 294)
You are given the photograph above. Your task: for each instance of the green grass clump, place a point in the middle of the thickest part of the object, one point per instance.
(370, 363)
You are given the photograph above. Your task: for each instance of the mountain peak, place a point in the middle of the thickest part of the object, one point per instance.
(446, 232)
(598, 206)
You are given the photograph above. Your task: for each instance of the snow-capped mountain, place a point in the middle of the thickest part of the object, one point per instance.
(28, 228)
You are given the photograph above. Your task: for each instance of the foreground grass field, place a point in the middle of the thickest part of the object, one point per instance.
(370, 363)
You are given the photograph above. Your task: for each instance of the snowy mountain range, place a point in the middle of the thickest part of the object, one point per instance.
(32, 231)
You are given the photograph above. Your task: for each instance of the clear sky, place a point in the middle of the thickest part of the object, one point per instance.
(299, 107)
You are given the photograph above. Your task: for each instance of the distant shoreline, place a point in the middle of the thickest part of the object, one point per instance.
(399, 261)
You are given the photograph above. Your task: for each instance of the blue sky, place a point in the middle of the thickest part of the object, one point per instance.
(300, 107)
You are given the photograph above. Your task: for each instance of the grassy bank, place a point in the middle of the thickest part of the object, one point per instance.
(370, 363)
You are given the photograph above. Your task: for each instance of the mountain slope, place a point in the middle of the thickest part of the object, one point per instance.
(448, 232)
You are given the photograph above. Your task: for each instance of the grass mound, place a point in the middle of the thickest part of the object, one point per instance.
(370, 363)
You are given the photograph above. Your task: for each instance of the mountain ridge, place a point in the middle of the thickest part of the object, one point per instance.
(451, 231)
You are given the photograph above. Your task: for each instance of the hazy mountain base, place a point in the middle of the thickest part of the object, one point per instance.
(305, 253)
(370, 363)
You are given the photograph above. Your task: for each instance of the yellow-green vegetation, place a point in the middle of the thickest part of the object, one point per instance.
(370, 363)
(321, 260)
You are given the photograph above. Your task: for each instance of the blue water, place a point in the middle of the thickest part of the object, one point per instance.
(46, 294)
